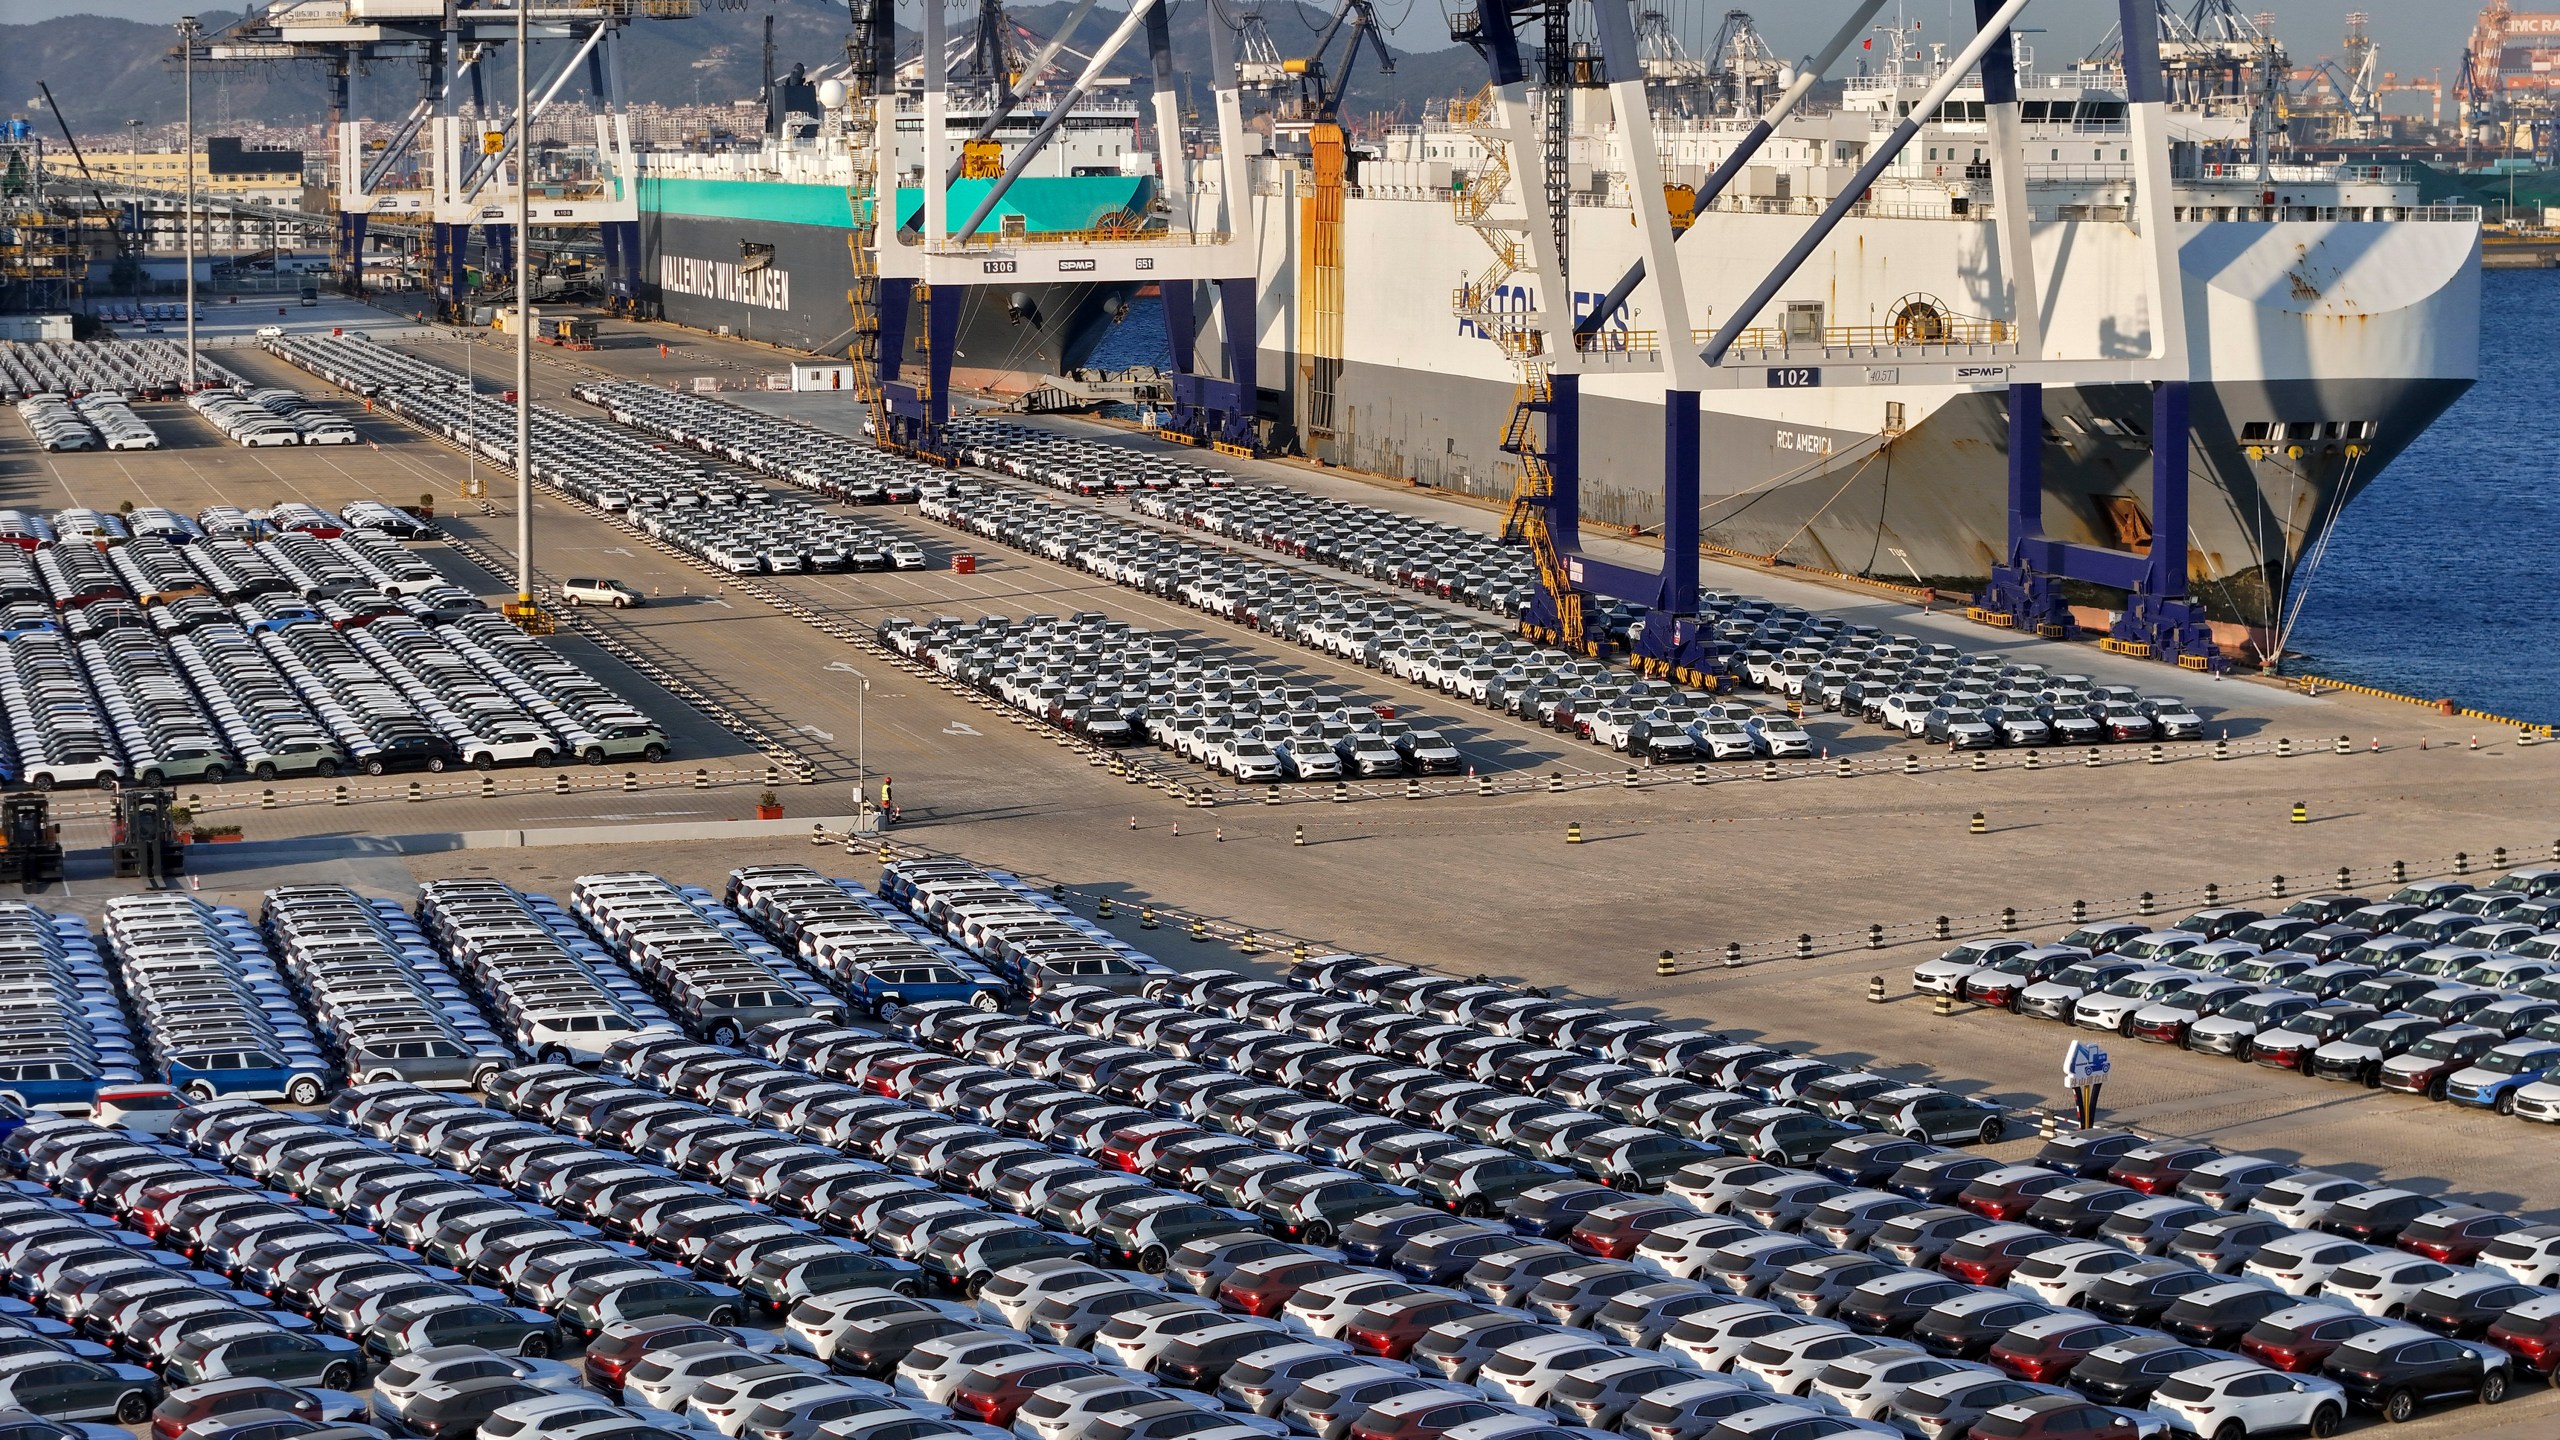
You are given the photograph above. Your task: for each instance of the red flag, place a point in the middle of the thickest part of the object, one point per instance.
(1870, 45)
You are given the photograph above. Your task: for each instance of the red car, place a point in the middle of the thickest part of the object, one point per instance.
(2009, 1192)
(2054, 1417)
(1134, 1147)
(2044, 1350)
(2456, 1234)
(1425, 1416)
(2301, 1342)
(1988, 1256)
(2531, 1333)
(992, 1393)
(619, 1345)
(1264, 1287)
(1390, 1327)
(1613, 1231)
(2160, 1169)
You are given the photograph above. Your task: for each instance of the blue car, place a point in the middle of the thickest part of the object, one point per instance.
(2493, 1080)
(882, 988)
(224, 1074)
(50, 1083)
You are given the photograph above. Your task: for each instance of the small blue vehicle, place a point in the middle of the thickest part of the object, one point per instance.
(221, 1074)
(882, 988)
(2492, 1081)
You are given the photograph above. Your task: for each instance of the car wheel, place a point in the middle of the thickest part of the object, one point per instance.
(542, 759)
(2245, 1051)
(1317, 1234)
(724, 1033)
(1476, 1207)
(326, 769)
(1992, 1130)
(722, 1315)
(216, 774)
(133, 1408)
(374, 767)
(2507, 1104)
(1915, 1133)
(1151, 1260)
(553, 1055)
(594, 756)
(2399, 1406)
(2124, 1027)
(653, 753)
(484, 761)
(484, 1077)
(305, 1091)
(888, 1009)
(2493, 1387)
(2325, 1422)
(2231, 1430)
(436, 766)
(987, 1000)
(382, 1077)
(42, 782)
(340, 1376)
(1773, 1157)
(976, 1285)
(265, 771)
(200, 1092)
(154, 777)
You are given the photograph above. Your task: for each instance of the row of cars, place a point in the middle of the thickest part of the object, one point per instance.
(555, 993)
(215, 1013)
(1077, 466)
(381, 999)
(1116, 685)
(2443, 989)
(77, 367)
(100, 420)
(266, 417)
(67, 1035)
(786, 450)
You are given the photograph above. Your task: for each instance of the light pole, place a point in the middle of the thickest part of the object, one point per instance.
(524, 315)
(187, 32)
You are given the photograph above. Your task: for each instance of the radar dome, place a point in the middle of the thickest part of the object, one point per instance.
(831, 94)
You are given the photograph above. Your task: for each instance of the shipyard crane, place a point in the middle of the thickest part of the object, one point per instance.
(1744, 74)
(1519, 200)
(2510, 73)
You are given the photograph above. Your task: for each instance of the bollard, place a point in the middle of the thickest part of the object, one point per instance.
(2079, 911)
(852, 845)
(1875, 937)
(2091, 760)
(2345, 746)
(560, 785)
(2498, 858)
(1630, 780)
(2275, 887)
(1768, 769)
(882, 854)
(772, 776)
(2301, 813)
(2400, 869)
(1555, 782)
(2159, 756)
(1484, 785)
(417, 792)
(1270, 794)
(1247, 944)
(1412, 789)
(1733, 954)
(1943, 1006)
(1698, 774)
(701, 779)
(2461, 863)
(1199, 930)
(2212, 893)
(1804, 947)
(2032, 762)
(1573, 832)
(488, 785)
(2475, 742)
(1841, 768)
(2008, 919)
(1298, 952)
(1300, 838)
(2221, 749)
(1910, 764)
(1102, 908)
(266, 799)
(2049, 1127)
(1663, 964)
(2284, 745)
(2345, 877)
(1875, 989)
(1341, 792)
(630, 781)
(1982, 762)
(817, 834)
(1945, 928)
(1146, 917)
(1981, 823)
(2148, 904)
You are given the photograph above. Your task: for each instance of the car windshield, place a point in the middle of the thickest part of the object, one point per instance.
(2128, 986)
(2375, 1035)
(2436, 1047)
(2081, 974)
(2517, 1062)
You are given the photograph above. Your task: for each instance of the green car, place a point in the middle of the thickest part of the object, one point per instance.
(263, 1352)
(70, 1389)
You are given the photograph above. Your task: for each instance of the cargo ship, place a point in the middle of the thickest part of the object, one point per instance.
(754, 242)
(2331, 318)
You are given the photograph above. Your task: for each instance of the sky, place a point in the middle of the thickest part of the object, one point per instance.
(2416, 35)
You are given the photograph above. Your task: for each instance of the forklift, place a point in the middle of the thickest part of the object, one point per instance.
(30, 843)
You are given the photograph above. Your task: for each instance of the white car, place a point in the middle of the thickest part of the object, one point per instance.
(2260, 1401)
(1946, 974)
(412, 1376)
(2113, 1007)
(1784, 1362)
(2302, 1264)
(725, 1404)
(2384, 1282)
(934, 1369)
(906, 555)
(1324, 1309)
(1010, 1295)
(1864, 1386)
(1527, 1372)
(2531, 1255)
(1711, 1339)
(2063, 1274)
(1069, 1408)
(270, 332)
(1711, 1185)
(663, 1380)
(1136, 1337)
(2304, 1200)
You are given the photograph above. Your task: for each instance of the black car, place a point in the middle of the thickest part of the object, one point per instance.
(2377, 1217)
(1871, 1160)
(1941, 1177)
(2467, 1314)
(2394, 1372)
(2141, 1294)
(1891, 1304)
(1965, 1327)
(2218, 1315)
(2128, 1371)
(2079, 1207)
(2088, 1154)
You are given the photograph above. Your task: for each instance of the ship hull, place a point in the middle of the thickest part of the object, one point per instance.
(693, 273)
(2367, 331)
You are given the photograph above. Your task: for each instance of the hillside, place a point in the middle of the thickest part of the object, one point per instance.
(107, 72)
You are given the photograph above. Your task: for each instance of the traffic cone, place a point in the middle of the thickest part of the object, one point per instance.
(1133, 822)
(1177, 827)
(1222, 834)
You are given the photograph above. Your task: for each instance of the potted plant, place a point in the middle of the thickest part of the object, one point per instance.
(217, 834)
(426, 507)
(768, 806)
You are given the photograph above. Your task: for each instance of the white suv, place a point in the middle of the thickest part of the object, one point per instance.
(600, 592)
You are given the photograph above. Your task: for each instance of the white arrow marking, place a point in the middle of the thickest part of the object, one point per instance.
(959, 727)
(840, 666)
(616, 550)
(814, 730)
